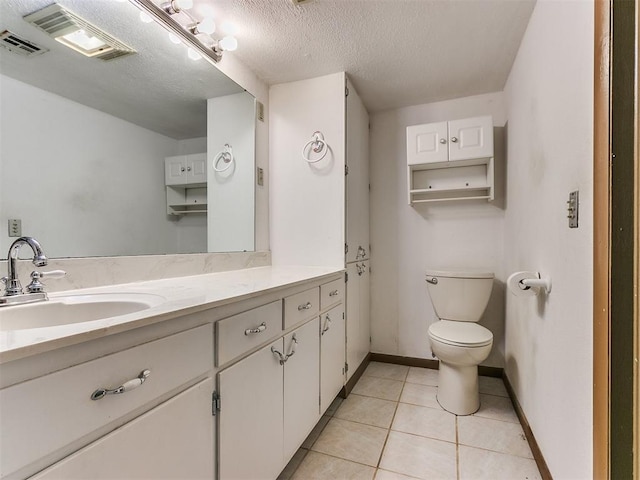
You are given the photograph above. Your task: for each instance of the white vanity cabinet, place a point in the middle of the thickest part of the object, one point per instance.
(332, 355)
(186, 183)
(46, 418)
(269, 402)
(450, 160)
(174, 440)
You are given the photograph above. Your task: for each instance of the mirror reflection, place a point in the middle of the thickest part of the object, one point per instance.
(147, 153)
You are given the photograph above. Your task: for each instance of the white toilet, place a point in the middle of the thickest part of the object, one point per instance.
(459, 299)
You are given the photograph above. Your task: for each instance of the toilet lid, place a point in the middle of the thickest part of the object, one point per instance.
(462, 334)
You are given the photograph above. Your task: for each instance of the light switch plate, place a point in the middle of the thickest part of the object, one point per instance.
(260, 176)
(15, 227)
(572, 208)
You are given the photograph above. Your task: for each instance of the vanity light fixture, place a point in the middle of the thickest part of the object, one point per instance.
(183, 26)
(78, 34)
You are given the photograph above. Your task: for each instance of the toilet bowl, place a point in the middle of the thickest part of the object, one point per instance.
(459, 299)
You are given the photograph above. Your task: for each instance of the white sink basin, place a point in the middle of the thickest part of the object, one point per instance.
(66, 310)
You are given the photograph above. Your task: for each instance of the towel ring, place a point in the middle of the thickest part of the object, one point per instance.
(318, 146)
(226, 156)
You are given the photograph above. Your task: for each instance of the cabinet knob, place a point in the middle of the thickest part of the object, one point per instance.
(454, 139)
(182, 169)
(443, 140)
(188, 169)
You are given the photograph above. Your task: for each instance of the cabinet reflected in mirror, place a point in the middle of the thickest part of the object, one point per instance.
(85, 142)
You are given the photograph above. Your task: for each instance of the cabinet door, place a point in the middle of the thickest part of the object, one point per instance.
(196, 168)
(332, 355)
(175, 171)
(352, 318)
(174, 440)
(427, 143)
(364, 337)
(471, 138)
(357, 181)
(301, 385)
(251, 416)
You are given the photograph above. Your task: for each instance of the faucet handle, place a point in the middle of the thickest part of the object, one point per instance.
(36, 286)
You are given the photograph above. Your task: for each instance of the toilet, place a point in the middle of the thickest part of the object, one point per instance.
(459, 298)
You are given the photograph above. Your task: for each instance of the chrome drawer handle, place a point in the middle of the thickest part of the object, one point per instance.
(125, 387)
(306, 306)
(259, 329)
(334, 293)
(327, 325)
(283, 358)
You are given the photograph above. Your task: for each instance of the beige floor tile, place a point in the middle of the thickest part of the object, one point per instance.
(352, 441)
(492, 386)
(317, 466)
(378, 388)
(315, 433)
(423, 376)
(293, 464)
(424, 395)
(419, 457)
(503, 437)
(387, 370)
(385, 475)
(369, 410)
(497, 408)
(426, 422)
(477, 464)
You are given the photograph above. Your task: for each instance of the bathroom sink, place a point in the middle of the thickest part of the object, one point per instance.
(70, 309)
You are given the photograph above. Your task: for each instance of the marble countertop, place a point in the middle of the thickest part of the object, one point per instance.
(180, 296)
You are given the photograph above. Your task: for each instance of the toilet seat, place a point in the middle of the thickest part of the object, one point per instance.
(460, 334)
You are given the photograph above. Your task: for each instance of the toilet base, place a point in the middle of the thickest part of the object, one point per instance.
(458, 388)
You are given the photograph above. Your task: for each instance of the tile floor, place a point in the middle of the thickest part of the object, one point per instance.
(392, 428)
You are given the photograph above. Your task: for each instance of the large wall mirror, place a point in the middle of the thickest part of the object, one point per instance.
(84, 142)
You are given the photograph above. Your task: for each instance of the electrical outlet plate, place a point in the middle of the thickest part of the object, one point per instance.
(260, 176)
(572, 209)
(15, 227)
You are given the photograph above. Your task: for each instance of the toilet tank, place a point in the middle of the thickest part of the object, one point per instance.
(459, 295)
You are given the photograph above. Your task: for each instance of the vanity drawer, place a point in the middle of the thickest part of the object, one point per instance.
(242, 332)
(301, 306)
(331, 293)
(45, 414)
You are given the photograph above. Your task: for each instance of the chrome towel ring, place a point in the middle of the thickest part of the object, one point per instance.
(316, 145)
(227, 158)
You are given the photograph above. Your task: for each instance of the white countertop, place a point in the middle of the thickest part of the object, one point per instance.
(182, 296)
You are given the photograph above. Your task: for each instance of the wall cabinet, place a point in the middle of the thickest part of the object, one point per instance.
(186, 184)
(450, 160)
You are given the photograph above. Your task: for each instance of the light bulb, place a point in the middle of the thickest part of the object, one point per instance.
(207, 25)
(228, 43)
(193, 55)
(228, 28)
(183, 4)
(174, 38)
(145, 17)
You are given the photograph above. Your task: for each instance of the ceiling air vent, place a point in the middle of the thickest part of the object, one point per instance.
(21, 46)
(76, 33)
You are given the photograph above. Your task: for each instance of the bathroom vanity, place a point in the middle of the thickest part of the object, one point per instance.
(224, 378)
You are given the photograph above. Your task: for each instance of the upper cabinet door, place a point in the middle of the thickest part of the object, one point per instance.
(196, 168)
(427, 143)
(175, 170)
(470, 138)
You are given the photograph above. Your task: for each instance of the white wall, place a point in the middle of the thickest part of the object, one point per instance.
(230, 194)
(307, 200)
(406, 240)
(549, 97)
(107, 172)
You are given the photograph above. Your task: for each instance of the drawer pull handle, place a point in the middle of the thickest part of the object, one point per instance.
(327, 325)
(334, 293)
(125, 387)
(306, 306)
(259, 329)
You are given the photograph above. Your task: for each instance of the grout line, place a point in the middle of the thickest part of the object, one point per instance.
(386, 438)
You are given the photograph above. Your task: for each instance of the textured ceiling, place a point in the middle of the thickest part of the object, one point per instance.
(397, 52)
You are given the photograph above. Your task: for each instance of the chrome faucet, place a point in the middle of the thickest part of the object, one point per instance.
(13, 286)
(13, 294)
